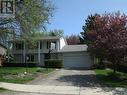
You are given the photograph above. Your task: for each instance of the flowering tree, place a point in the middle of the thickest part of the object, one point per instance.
(110, 37)
(73, 40)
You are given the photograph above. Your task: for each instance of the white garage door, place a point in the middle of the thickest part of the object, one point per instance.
(77, 60)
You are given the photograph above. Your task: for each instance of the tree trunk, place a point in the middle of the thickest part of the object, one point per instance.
(101, 61)
(114, 66)
(114, 69)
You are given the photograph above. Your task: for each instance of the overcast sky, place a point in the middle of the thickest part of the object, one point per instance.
(70, 15)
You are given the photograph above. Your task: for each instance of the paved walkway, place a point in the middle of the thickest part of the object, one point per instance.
(60, 90)
(63, 82)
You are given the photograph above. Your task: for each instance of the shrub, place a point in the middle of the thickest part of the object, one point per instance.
(98, 66)
(53, 63)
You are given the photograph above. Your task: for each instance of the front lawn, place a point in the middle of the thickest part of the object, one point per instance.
(108, 78)
(2, 89)
(16, 74)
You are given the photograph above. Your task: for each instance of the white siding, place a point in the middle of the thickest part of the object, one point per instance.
(62, 43)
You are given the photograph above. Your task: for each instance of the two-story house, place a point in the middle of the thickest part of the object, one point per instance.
(72, 55)
(22, 51)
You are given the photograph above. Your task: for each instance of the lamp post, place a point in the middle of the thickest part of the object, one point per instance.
(27, 58)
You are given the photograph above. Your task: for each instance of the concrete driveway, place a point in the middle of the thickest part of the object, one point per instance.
(69, 77)
(63, 82)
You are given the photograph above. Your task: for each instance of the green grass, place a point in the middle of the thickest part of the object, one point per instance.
(14, 70)
(2, 89)
(108, 78)
(45, 70)
(16, 74)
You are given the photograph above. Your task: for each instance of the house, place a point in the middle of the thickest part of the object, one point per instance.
(3, 51)
(73, 56)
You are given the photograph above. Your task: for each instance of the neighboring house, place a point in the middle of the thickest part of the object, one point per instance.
(3, 51)
(72, 55)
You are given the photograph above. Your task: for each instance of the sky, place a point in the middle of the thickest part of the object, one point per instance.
(70, 15)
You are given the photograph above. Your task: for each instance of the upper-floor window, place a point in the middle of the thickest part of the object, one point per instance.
(51, 45)
(48, 45)
(19, 46)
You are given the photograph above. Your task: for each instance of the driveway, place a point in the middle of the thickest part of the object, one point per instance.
(63, 82)
(67, 77)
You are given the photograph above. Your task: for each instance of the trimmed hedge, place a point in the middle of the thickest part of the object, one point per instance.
(7, 64)
(53, 63)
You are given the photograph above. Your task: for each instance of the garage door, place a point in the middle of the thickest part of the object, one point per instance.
(77, 60)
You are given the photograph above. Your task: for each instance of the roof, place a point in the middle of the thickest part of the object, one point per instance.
(74, 48)
(37, 39)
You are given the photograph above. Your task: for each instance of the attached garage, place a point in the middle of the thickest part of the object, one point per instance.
(76, 56)
(77, 60)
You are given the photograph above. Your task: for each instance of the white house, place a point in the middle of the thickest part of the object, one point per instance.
(73, 56)
(3, 50)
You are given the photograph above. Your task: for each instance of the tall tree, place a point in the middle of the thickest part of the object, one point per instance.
(87, 28)
(56, 32)
(30, 15)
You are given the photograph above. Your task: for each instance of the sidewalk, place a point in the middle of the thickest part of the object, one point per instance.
(67, 90)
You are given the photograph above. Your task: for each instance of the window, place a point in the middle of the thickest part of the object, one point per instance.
(48, 45)
(40, 45)
(30, 58)
(51, 45)
(19, 46)
(47, 56)
(7, 7)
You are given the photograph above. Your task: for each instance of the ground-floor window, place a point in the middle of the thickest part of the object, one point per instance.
(47, 56)
(30, 58)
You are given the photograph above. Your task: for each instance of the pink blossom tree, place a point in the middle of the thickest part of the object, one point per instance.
(110, 37)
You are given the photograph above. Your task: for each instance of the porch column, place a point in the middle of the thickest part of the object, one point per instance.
(39, 52)
(24, 52)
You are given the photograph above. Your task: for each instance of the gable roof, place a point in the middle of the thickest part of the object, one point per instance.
(74, 48)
